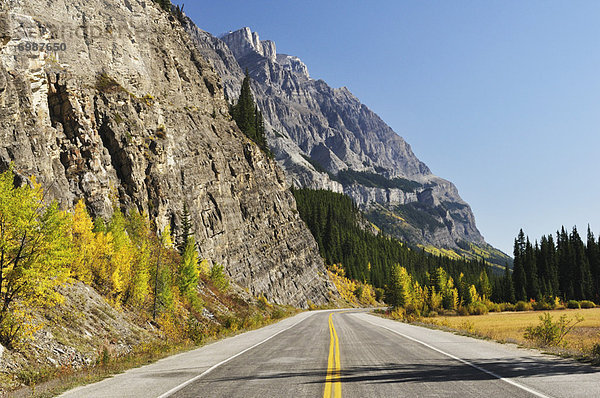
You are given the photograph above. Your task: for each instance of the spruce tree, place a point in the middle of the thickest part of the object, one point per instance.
(593, 255)
(531, 274)
(248, 117)
(565, 261)
(519, 277)
(582, 276)
(508, 287)
(186, 228)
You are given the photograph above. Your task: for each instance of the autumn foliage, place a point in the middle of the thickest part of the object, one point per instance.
(42, 248)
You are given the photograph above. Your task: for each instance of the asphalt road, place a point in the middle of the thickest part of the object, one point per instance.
(352, 354)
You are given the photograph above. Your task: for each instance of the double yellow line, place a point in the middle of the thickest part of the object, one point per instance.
(333, 388)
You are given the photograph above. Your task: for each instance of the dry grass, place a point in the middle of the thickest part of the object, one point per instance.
(510, 327)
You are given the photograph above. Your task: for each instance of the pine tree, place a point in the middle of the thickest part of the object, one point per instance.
(582, 276)
(248, 117)
(565, 261)
(531, 274)
(186, 228)
(593, 255)
(508, 287)
(519, 276)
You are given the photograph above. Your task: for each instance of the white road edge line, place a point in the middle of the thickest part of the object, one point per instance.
(207, 371)
(515, 384)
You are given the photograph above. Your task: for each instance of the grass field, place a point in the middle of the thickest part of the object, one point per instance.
(510, 327)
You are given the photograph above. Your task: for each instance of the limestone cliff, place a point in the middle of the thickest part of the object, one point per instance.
(128, 109)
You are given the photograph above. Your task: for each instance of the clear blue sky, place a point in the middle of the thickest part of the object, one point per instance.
(500, 97)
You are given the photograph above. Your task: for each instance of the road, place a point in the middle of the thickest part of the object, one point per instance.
(352, 354)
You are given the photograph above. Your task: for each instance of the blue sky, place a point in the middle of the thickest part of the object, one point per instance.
(500, 97)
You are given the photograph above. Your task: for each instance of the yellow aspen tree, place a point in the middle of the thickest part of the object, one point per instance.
(35, 251)
(84, 244)
(119, 272)
(138, 228)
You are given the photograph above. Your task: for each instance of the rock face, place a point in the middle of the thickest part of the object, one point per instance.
(131, 111)
(318, 132)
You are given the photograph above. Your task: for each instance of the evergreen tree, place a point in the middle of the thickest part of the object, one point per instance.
(581, 268)
(565, 260)
(248, 117)
(593, 255)
(519, 276)
(244, 110)
(338, 227)
(186, 228)
(531, 274)
(508, 287)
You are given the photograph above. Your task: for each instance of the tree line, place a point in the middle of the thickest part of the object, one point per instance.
(563, 266)
(345, 237)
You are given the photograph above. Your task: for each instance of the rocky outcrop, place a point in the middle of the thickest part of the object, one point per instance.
(317, 131)
(130, 110)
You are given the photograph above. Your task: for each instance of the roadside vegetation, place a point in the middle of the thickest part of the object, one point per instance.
(566, 332)
(153, 283)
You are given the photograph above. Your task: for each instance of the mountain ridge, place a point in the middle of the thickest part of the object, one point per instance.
(317, 131)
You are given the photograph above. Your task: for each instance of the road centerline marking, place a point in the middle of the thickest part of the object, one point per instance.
(333, 364)
(489, 372)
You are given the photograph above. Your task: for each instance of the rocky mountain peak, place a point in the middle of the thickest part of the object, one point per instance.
(244, 42)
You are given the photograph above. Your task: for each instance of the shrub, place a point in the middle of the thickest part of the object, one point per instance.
(263, 303)
(277, 313)
(523, 306)
(194, 330)
(596, 351)
(477, 308)
(398, 314)
(379, 293)
(507, 307)
(542, 306)
(550, 333)
(587, 304)
(573, 304)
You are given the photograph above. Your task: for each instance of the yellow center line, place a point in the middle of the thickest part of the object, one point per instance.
(333, 364)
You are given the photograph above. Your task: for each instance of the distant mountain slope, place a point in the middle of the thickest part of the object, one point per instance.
(325, 138)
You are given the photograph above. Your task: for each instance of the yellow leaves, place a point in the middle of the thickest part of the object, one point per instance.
(353, 292)
(204, 267)
(35, 249)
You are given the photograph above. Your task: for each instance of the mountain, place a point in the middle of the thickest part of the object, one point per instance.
(129, 112)
(325, 138)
